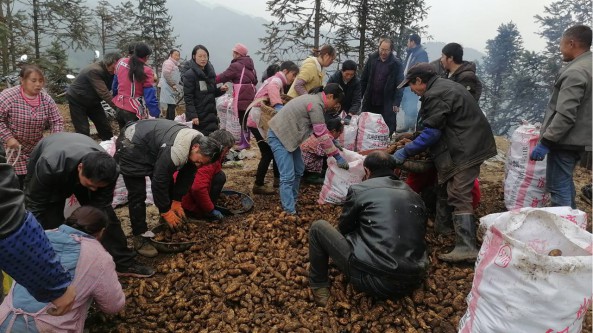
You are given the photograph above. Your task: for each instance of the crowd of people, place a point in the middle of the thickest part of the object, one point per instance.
(293, 116)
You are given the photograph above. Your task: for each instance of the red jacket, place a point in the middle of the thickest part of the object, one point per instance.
(197, 199)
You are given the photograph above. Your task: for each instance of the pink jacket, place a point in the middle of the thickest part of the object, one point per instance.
(271, 88)
(94, 279)
(123, 99)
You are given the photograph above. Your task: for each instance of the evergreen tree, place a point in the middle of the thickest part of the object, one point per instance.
(67, 21)
(558, 17)
(362, 22)
(114, 27)
(155, 29)
(296, 29)
(14, 40)
(55, 66)
(502, 55)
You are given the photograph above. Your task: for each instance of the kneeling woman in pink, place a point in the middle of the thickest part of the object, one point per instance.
(77, 245)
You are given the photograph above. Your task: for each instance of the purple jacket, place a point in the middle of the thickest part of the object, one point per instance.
(233, 74)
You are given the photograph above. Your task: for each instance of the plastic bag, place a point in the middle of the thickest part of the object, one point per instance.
(373, 132)
(525, 180)
(337, 181)
(348, 137)
(181, 119)
(228, 119)
(519, 286)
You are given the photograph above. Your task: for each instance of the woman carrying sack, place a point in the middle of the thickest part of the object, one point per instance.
(297, 120)
(241, 72)
(270, 90)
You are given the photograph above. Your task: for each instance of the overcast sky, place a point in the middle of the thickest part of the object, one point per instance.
(468, 22)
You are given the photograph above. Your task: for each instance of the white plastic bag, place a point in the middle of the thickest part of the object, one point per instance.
(373, 132)
(525, 180)
(348, 137)
(181, 119)
(70, 206)
(337, 181)
(575, 216)
(228, 119)
(518, 287)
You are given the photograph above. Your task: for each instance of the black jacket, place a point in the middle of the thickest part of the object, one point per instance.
(92, 85)
(12, 209)
(467, 138)
(466, 76)
(352, 92)
(52, 177)
(199, 93)
(384, 222)
(391, 95)
(157, 148)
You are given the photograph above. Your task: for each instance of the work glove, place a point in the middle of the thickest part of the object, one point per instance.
(278, 107)
(338, 145)
(217, 214)
(342, 162)
(539, 152)
(400, 156)
(172, 219)
(176, 207)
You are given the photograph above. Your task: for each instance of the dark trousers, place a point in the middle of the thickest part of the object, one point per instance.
(124, 117)
(459, 190)
(136, 186)
(171, 111)
(242, 120)
(326, 242)
(81, 113)
(266, 157)
(218, 181)
(388, 115)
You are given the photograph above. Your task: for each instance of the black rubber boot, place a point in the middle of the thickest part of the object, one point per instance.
(465, 240)
(443, 222)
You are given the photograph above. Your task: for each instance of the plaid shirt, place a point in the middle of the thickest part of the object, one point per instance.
(313, 154)
(26, 123)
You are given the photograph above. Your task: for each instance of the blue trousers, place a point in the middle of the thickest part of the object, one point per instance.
(559, 182)
(291, 168)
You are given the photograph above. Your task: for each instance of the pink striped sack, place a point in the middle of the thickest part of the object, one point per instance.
(337, 180)
(525, 180)
(533, 274)
(373, 132)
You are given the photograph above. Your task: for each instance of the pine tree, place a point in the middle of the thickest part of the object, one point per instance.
(559, 16)
(155, 29)
(362, 22)
(114, 28)
(502, 55)
(55, 66)
(66, 21)
(296, 29)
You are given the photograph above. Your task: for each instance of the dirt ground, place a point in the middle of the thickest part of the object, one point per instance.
(249, 273)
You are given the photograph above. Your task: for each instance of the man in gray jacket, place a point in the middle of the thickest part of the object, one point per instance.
(566, 130)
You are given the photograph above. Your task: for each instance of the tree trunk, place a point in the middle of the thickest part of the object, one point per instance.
(10, 35)
(4, 40)
(36, 28)
(317, 24)
(103, 36)
(362, 15)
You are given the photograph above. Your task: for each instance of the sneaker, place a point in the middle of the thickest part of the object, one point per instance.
(320, 295)
(262, 189)
(144, 248)
(136, 270)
